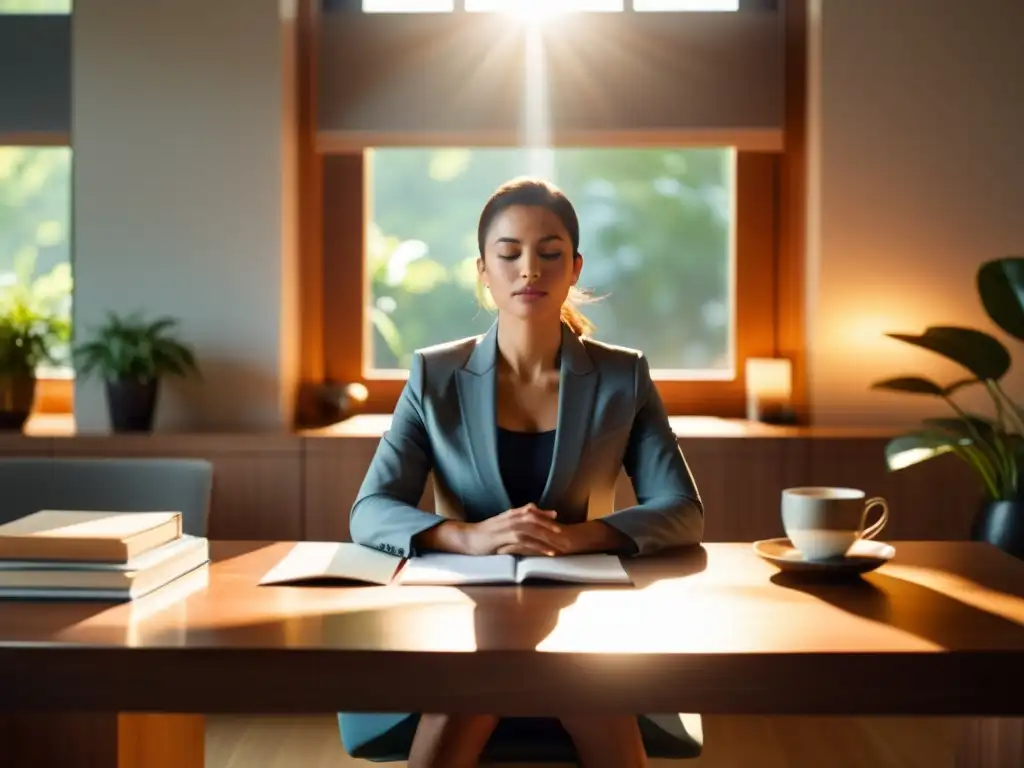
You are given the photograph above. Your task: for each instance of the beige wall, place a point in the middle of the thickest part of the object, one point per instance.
(182, 176)
(918, 156)
(182, 196)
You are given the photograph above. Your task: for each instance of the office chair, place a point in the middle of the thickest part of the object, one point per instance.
(108, 485)
(387, 738)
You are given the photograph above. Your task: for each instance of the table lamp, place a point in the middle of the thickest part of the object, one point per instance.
(769, 390)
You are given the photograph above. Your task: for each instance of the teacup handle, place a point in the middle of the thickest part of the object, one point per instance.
(874, 530)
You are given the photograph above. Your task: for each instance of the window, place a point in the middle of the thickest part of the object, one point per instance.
(686, 5)
(35, 6)
(679, 249)
(692, 252)
(35, 260)
(539, 7)
(656, 231)
(35, 216)
(407, 6)
(528, 7)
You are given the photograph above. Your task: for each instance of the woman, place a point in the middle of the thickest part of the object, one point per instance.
(526, 429)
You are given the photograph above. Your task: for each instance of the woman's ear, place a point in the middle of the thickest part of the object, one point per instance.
(481, 268)
(577, 267)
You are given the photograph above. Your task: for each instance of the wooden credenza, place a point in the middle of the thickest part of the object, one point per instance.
(301, 486)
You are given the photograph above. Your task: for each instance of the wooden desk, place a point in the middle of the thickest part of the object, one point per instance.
(939, 631)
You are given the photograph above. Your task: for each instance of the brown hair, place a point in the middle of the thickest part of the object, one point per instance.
(543, 194)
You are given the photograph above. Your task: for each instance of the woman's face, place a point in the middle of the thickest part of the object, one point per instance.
(528, 262)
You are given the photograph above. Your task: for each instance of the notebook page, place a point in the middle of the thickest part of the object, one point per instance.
(451, 569)
(582, 569)
(314, 561)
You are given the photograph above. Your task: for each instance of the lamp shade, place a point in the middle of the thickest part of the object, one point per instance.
(769, 389)
(770, 377)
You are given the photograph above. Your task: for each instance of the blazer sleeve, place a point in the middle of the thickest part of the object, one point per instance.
(669, 511)
(385, 515)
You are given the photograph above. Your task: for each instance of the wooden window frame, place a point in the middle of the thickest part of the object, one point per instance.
(348, 337)
(769, 277)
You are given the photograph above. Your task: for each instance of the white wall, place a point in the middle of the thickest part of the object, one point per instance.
(917, 131)
(184, 196)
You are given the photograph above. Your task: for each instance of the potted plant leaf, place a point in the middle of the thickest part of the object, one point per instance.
(27, 339)
(992, 444)
(132, 355)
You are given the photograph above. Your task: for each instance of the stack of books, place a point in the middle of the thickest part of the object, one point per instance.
(67, 554)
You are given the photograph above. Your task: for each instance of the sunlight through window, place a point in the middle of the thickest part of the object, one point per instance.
(35, 240)
(408, 6)
(532, 9)
(686, 5)
(35, 6)
(656, 229)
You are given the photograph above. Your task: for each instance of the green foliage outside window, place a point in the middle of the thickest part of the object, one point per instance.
(656, 235)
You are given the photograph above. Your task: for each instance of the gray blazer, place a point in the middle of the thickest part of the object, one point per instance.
(610, 416)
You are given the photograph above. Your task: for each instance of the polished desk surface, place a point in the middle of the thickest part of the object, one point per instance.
(939, 630)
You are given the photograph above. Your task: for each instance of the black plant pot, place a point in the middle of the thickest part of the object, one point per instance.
(132, 404)
(1001, 523)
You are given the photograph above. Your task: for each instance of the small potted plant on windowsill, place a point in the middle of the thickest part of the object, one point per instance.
(132, 355)
(27, 340)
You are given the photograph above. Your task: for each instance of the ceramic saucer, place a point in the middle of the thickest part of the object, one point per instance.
(865, 555)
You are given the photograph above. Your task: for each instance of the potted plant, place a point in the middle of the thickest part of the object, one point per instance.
(34, 332)
(993, 444)
(27, 339)
(132, 354)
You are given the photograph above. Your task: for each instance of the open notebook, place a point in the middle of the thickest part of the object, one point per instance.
(319, 562)
(314, 562)
(442, 568)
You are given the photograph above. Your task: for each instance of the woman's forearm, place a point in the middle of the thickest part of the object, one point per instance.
(449, 536)
(596, 536)
(660, 523)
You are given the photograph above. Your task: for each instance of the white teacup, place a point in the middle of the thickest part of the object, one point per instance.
(825, 522)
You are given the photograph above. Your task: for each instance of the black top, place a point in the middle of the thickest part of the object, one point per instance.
(525, 461)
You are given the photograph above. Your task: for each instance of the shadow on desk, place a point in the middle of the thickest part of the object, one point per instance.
(918, 610)
(491, 618)
(416, 633)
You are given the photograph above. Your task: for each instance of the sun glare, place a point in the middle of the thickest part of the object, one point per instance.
(536, 11)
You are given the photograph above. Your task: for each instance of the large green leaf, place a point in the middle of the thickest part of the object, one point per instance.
(956, 386)
(1001, 287)
(915, 385)
(915, 447)
(981, 354)
(907, 450)
(958, 427)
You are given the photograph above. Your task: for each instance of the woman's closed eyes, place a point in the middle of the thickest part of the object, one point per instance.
(546, 256)
(511, 248)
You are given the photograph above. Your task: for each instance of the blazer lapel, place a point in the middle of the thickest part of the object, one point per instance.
(576, 391)
(477, 387)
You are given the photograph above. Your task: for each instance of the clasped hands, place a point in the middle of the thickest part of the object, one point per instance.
(526, 530)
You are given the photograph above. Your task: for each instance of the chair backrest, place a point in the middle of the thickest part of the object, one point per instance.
(109, 485)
